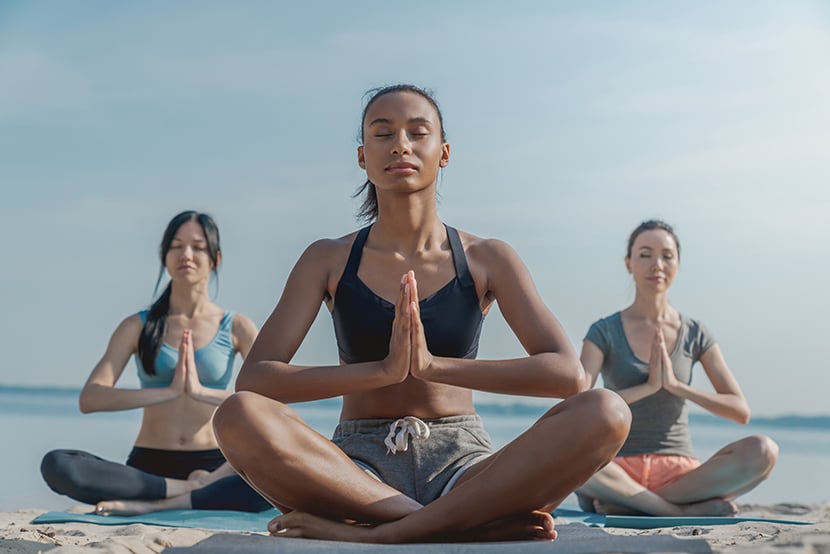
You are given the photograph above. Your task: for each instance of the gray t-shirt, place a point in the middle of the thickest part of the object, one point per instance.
(660, 422)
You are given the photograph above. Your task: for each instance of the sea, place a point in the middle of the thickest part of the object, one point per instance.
(35, 420)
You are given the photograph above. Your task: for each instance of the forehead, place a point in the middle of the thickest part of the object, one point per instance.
(401, 106)
(190, 230)
(656, 239)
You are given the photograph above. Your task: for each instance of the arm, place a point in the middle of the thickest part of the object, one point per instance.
(267, 370)
(243, 334)
(592, 358)
(99, 393)
(551, 368)
(727, 401)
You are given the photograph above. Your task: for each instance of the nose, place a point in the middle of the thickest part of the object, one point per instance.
(187, 252)
(401, 144)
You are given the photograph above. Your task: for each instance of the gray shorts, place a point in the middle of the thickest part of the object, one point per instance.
(429, 467)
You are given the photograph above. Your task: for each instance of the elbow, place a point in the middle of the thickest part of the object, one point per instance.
(574, 382)
(243, 382)
(575, 386)
(247, 380)
(585, 381)
(85, 404)
(744, 415)
(739, 412)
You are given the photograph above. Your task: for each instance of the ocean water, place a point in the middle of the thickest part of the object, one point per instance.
(34, 421)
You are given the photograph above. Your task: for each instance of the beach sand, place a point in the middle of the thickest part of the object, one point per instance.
(18, 535)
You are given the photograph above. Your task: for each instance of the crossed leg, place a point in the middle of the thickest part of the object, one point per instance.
(707, 490)
(507, 496)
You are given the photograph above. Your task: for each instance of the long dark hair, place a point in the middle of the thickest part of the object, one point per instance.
(152, 334)
(368, 210)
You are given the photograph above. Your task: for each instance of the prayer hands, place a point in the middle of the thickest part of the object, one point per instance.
(669, 379)
(186, 377)
(660, 369)
(396, 363)
(420, 358)
(408, 353)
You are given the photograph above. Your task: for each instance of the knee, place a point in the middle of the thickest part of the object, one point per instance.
(50, 467)
(608, 414)
(231, 417)
(55, 468)
(245, 414)
(760, 453)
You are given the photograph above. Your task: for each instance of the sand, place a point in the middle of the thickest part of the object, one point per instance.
(17, 534)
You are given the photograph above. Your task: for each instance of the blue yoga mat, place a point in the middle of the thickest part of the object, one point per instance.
(226, 520)
(654, 522)
(220, 520)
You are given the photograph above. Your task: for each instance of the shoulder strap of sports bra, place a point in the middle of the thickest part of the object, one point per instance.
(356, 253)
(227, 321)
(462, 272)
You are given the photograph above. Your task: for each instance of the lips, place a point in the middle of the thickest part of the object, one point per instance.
(401, 167)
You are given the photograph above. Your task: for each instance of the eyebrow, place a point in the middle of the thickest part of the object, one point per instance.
(383, 120)
(664, 249)
(182, 240)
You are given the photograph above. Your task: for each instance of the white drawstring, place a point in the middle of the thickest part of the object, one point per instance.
(410, 426)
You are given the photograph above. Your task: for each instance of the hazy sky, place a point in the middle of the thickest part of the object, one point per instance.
(570, 122)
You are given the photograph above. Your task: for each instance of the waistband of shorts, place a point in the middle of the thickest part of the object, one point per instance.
(195, 454)
(382, 425)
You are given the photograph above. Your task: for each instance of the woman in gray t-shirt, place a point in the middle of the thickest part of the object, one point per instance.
(645, 353)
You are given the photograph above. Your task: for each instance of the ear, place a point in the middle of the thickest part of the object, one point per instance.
(445, 155)
(628, 263)
(361, 161)
(218, 260)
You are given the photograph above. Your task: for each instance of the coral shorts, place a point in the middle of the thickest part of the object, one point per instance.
(655, 471)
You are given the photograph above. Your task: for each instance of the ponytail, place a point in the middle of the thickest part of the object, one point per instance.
(152, 334)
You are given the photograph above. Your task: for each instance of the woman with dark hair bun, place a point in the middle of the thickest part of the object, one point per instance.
(645, 353)
(184, 346)
(410, 459)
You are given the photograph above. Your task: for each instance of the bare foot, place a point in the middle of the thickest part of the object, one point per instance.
(302, 525)
(524, 527)
(532, 526)
(198, 475)
(608, 509)
(712, 507)
(126, 507)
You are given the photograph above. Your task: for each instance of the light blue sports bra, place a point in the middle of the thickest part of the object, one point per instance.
(214, 361)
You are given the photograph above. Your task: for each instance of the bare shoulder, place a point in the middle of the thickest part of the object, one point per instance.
(126, 334)
(243, 326)
(244, 331)
(130, 325)
(328, 251)
(493, 263)
(486, 247)
(489, 253)
(320, 266)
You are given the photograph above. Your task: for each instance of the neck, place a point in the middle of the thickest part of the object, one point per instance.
(651, 307)
(188, 301)
(408, 223)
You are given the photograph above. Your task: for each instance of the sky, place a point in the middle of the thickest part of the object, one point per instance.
(570, 123)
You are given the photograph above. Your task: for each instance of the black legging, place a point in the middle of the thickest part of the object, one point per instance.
(90, 479)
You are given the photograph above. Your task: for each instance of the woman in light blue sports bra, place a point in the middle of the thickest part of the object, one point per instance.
(184, 347)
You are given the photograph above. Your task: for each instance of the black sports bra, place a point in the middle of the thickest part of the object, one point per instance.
(451, 317)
